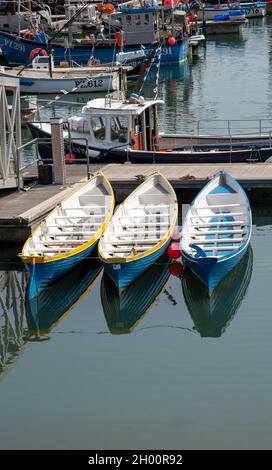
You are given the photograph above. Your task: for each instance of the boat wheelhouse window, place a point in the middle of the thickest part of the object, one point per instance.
(119, 129)
(128, 19)
(43, 60)
(137, 20)
(146, 18)
(137, 125)
(98, 124)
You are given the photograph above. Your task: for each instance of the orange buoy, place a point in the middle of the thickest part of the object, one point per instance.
(107, 8)
(171, 41)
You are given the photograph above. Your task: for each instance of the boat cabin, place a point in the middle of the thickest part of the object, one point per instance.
(112, 123)
(72, 7)
(42, 62)
(146, 23)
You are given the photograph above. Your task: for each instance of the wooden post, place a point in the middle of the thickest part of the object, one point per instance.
(58, 150)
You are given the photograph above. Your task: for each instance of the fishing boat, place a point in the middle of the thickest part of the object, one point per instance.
(120, 130)
(216, 230)
(251, 9)
(139, 231)
(68, 234)
(40, 78)
(53, 303)
(138, 27)
(221, 13)
(212, 314)
(124, 309)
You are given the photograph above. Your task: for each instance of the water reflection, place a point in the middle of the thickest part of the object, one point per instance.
(46, 310)
(124, 309)
(12, 314)
(211, 315)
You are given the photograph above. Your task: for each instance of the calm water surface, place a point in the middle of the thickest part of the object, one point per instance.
(230, 78)
(177, 374)
(182, 373)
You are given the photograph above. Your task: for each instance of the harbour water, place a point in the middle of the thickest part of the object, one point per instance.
(229, 78)
(180, 373)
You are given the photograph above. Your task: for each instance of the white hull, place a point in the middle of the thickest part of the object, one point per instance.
(34, 85)
(254, 11)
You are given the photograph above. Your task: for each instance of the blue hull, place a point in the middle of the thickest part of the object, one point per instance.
(211, 270)
(124, 274)
(43, 275)
(17, 51)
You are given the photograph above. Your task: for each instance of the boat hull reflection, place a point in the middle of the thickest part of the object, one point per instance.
(53, 303)
(124, 309)
(212, 314)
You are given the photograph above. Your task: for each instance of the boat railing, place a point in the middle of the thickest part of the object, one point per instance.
(234, 127)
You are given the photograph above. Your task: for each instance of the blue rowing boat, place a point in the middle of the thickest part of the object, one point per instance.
(68, 234)
(139, 231)
(216, 230)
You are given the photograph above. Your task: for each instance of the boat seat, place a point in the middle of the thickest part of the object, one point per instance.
(65, 234)
(128, 250)
(127, 233)
(160, 214)
(78, 216)
(83, 207)
(61, 242)
(133, 242)
(221, 248)
(241, 223)
(150, 224)
(219, 240)
(146, 206)
(54, 250)
(219, 206)
(214, 232)
(216, 215)
(73, 225)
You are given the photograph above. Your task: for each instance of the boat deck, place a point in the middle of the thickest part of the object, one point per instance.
(20, 211)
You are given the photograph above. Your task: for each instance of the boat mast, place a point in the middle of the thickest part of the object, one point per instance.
(19, 17)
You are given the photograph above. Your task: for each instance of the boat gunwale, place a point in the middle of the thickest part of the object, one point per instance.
(248, 226)
(28, 259)
(157, 246)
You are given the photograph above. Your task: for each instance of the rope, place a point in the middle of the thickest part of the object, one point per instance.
(157, 55)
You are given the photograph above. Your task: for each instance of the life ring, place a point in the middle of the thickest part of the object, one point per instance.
(35, 52)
